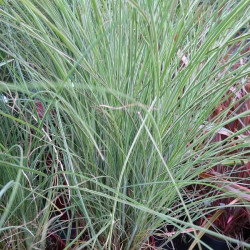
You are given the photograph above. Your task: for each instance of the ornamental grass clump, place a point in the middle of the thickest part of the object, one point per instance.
(108, 117)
